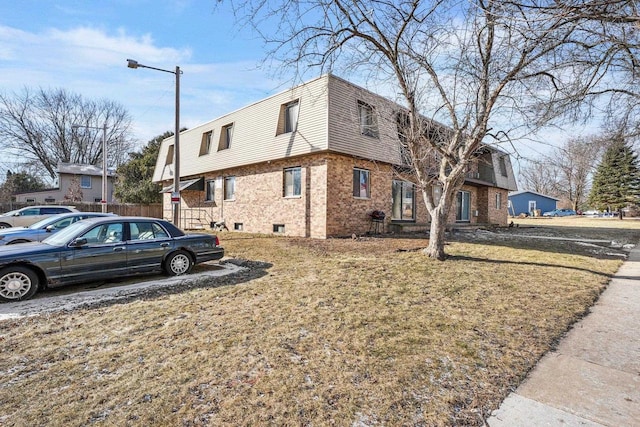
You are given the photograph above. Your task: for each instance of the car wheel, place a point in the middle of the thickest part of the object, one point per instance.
(17, 283)
(4, 225)
(178, 263)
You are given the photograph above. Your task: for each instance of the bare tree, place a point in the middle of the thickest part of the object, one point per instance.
(575, 161)
(540, 176)
(488, 70)
(566, 173)
(39, 127)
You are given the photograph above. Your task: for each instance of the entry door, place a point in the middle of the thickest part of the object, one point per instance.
(532, 206)
(463, 208)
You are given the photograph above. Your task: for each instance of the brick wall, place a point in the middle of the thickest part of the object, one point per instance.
(326, 206)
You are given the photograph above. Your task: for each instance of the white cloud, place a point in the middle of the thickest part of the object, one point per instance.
(92, 62)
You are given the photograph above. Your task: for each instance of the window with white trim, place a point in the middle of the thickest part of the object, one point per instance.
(498, 200)
(230, 188)
(209, 188)
(361, 183)
(368, 122)
(85, 181)
(292, 182)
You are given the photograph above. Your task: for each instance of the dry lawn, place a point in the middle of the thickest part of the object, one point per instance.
(344, 332)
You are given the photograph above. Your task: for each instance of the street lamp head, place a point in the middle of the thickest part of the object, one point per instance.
(131, 63)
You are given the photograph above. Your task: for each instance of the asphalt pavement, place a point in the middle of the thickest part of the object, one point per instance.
(593, 378)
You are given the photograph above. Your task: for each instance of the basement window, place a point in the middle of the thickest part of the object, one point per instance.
(278, 228)
(237, 226)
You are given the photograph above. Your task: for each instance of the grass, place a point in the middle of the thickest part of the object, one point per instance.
(331, 332)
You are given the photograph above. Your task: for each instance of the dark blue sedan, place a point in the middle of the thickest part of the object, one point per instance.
(44, 228)
(102, 248)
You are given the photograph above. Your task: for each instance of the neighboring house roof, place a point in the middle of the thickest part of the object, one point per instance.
(517, 193)
(80, 169)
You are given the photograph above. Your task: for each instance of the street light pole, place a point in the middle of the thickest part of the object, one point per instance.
(176, 145)
(103, 202)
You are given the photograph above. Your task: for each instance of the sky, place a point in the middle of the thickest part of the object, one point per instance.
(83, 47)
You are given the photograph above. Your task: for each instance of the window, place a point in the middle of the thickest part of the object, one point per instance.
(230, 188)
(169, 159)
(498, 200)
(146, 231)
(205, 144)
(288, 120)
(105, 233)
(85, 181)
(97, 199)
(368, 122)
(403, 207)
(437, 193)
(361, 183)
(503, 166)
(53, 210)
(463, 206)
(209, 188)
(49, 200)
(292, 182)
(278, 228)
(30, 200)
(225, 137)
(237, 226)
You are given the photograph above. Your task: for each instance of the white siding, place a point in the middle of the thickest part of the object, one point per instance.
(344, 127)
(254, 134)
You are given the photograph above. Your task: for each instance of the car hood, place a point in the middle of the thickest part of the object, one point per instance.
(13, 230)
(24, 249)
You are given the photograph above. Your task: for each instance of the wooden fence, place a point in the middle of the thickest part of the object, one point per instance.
(153, 210)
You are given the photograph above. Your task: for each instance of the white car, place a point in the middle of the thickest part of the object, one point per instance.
(31, 214)
(591, 212)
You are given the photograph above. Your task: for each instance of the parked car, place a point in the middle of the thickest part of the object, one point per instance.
(31, 214)
(560, 212)
(591, 212)
(44, 228)
(102, 248)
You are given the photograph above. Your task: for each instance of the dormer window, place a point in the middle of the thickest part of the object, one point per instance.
(225, 137)
(205, 144)
(288, 120)
(169, 159)
(503, 166)
(368, 121)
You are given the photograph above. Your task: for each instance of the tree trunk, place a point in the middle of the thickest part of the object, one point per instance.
(437, 231)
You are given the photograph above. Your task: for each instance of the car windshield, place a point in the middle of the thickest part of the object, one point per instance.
(65, 235)
(42, 223)
(10, 213)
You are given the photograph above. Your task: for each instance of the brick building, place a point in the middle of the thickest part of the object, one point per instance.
(314, 161)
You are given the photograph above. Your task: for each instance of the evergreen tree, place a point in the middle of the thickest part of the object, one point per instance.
(616, 183)
(134, 183)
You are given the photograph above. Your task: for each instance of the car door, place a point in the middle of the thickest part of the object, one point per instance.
(103, 256)
(147, 246)
(27, 217)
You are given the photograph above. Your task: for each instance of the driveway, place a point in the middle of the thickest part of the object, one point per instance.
(99, 293)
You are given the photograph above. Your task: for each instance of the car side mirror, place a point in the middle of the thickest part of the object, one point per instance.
(76, 243)
(49, 228)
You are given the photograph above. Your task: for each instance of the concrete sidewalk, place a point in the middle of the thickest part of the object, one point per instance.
(593, 378)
